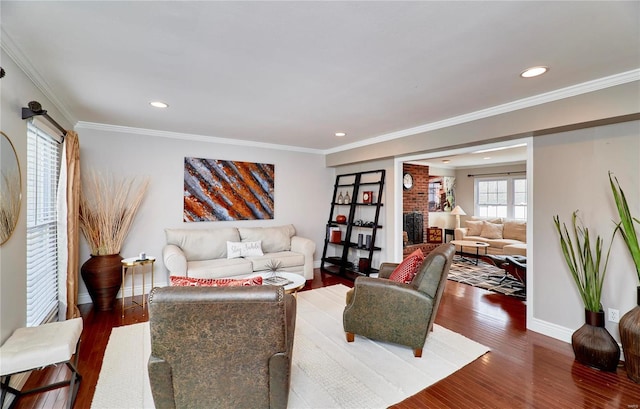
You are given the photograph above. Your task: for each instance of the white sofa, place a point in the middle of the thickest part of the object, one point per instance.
(202, 253)
(504, 236)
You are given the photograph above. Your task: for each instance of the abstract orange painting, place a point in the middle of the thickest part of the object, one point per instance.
(221, 190)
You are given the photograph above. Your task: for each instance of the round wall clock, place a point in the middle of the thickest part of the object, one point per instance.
(407, 181)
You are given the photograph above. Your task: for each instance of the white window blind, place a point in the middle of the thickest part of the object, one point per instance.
(43, 167)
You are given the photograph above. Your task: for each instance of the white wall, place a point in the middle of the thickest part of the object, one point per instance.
(16, 90)
(570, 171)
(303, 187)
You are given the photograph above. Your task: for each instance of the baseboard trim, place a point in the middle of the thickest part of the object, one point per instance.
(558, 332)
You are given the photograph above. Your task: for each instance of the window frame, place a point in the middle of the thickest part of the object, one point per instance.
(510, 195)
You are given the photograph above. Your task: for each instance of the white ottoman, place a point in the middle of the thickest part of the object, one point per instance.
(33, 348)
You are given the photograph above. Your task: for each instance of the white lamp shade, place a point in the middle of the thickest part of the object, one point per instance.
(457, 211)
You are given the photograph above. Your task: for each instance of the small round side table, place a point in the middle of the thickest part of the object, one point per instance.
(131, 263)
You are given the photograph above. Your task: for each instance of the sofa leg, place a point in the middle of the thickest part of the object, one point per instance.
(350, 336)
(417, 352)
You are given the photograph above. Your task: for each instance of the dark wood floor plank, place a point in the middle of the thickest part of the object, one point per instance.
(523, 370)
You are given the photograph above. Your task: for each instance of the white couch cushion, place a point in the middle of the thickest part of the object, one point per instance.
(274, 239)
(219, 268)
(34, 347)
(286, 259)
(202, 244)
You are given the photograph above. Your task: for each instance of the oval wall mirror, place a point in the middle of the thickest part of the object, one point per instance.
(10, 188)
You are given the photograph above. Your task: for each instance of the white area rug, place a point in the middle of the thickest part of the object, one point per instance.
(327, 372)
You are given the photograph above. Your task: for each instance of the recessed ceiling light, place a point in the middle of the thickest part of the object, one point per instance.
(341, 134)
(158, 104)
(487, 157)
(446, 161)
(533, 72)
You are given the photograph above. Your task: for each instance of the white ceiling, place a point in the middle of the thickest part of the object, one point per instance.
(294, 73)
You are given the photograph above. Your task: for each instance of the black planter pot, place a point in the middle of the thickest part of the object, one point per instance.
(630, 337)
(592, 344)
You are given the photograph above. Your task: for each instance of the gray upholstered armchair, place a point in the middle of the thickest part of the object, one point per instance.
(221, 347)
(386, 310)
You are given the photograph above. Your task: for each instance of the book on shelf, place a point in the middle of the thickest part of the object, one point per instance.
(276, 280)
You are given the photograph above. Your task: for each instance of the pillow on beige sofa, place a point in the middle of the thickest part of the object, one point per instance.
(516, 230)
(202, 244)
(474, 228)
(274, 239)
(491, 230)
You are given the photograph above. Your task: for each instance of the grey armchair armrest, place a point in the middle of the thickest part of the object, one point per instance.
(386, 269)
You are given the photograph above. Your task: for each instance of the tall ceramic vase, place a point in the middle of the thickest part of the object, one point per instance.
(593, 345)
(630, 336)
(103, 277)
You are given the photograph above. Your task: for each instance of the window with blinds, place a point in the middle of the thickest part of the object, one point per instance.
(43, 168)
(503, 197)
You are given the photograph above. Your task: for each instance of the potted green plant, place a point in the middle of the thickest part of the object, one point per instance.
(108, 206)
(592, 344)
(630, 322)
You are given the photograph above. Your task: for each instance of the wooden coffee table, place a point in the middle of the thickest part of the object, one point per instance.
(468, 243)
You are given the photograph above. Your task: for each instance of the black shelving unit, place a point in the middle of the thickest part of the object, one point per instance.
(355, 184)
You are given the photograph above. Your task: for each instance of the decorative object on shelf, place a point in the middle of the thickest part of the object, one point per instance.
(629, 325)
(407, 181)
(367, 197)
(340, 198)
(592, 344)
(224, 190)
(360, 240)
(10, 188)
(363, 265)
(347, 198)
(457, 212)
(341, 218)
(434, 235)
(108, 206)
(368, 241)
(336, 235)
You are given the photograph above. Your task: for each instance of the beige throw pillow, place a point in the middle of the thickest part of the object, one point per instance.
(491, 230)
(474, 228)
(516, 230)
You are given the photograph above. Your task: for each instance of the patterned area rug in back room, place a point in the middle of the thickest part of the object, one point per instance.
(486, 276)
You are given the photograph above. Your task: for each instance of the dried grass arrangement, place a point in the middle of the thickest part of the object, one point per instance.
(108, 206)
(9, 204)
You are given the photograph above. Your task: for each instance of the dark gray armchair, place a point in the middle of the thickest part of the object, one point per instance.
(385, 310)
(221, 347)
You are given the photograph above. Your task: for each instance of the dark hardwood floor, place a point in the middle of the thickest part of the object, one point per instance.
(523, 370)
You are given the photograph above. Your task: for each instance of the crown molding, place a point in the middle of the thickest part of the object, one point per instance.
(21, 60)
(556, 95)
(191, 137)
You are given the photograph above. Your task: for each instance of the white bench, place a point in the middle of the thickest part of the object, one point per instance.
(34, 348)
